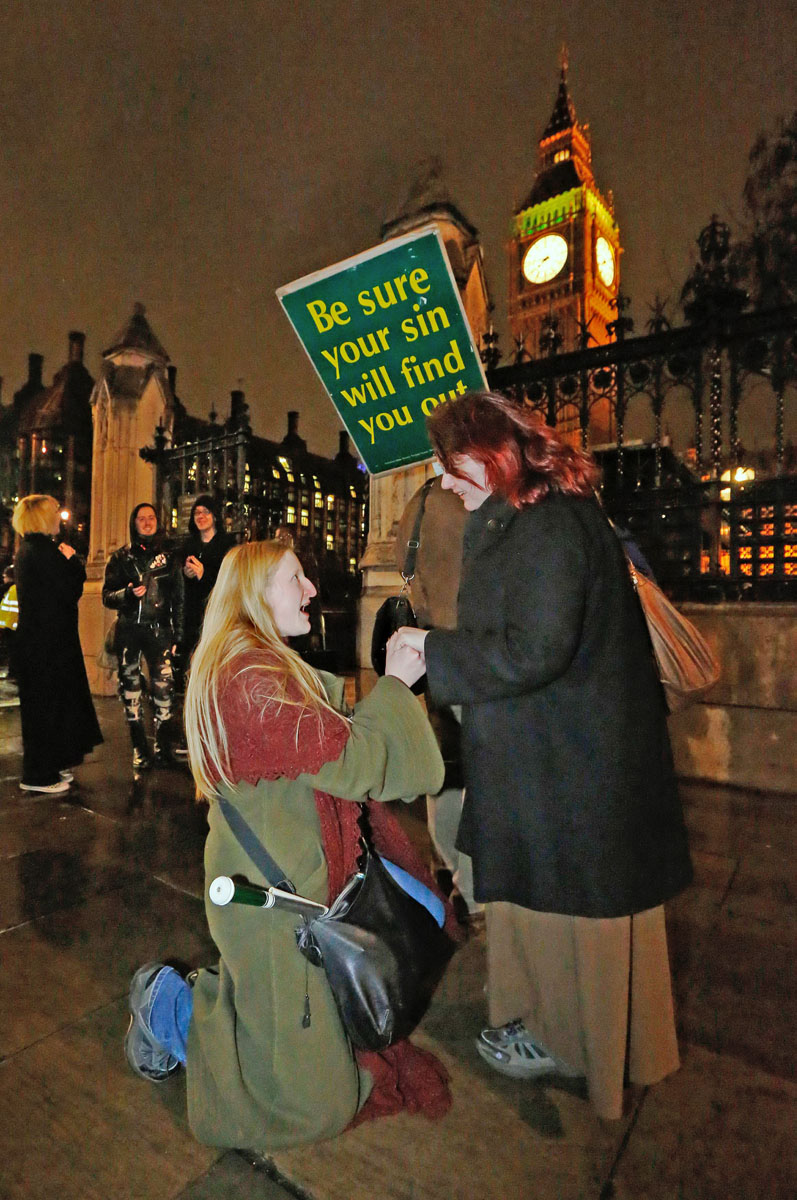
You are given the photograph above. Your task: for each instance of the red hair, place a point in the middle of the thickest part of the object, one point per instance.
(524, 459)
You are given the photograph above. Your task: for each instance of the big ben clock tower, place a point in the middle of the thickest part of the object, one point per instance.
(564, 256)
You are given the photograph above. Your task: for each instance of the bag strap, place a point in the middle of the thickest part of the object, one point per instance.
(249, 842)
(414, 540)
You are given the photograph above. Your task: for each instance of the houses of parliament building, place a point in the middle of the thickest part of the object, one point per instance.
(101, 445)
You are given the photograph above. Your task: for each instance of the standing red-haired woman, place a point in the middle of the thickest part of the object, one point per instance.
(571, 814)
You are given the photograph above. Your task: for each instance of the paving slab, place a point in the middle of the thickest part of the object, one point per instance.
(110, 876)
(233, 1178)
(57, 969)
(717, 1130)
(501, 1138)
(76, 1124)
(739, 997)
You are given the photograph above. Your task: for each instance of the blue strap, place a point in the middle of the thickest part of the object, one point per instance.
(419, 891)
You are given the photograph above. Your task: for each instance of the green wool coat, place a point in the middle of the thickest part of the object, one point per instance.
(256, 1078)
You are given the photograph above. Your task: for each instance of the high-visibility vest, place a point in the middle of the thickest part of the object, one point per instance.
(9, 609)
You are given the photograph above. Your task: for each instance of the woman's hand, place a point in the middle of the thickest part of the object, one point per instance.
(404, 661)
(193, 568)
(66, 549)
(138, 591)
(414, 638)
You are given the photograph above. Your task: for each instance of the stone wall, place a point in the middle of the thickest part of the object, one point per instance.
(745, 731)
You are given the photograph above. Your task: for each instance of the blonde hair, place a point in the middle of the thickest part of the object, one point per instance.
(34, 514)
(237, 619)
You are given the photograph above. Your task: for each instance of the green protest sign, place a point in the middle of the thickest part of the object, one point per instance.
(388, 337)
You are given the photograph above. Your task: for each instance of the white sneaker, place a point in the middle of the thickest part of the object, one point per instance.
(61, 786)
(511, 1049)
(67, 775)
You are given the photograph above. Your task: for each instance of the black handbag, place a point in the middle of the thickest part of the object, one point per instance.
(397, 611)
(382, 951)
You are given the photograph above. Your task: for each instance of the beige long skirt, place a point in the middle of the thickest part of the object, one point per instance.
(596, 993)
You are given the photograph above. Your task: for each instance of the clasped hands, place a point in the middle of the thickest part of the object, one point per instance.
(405, 657)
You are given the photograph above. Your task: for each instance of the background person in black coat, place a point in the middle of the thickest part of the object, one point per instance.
(59, 725)
(144, 584)
(201, 555)
(571, 812)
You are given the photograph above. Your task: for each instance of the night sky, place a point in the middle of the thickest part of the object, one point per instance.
(196, 156)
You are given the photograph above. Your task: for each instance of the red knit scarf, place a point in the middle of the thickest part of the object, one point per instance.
(404, 1075)
(270, 741)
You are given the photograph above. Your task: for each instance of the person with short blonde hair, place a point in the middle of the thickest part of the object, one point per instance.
(59, 725)
(269, 1064)
(36, 514)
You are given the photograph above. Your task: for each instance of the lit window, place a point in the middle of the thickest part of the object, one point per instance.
(330, 501)
(288, 469)
(352, 564)
(561, 155)
(352, 493)
(318, 500)
(290, 515)
(305, 517)
(275, 473)
(330, 542)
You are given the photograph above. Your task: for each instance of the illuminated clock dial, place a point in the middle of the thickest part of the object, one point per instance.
(604, 260)
(545, 258)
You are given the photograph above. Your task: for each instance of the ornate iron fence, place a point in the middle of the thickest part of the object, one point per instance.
(722, 524)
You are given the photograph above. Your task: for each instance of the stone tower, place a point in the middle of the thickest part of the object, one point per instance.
(564, 253)
(131, 398)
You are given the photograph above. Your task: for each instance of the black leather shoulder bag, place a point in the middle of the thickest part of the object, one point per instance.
(381, 949)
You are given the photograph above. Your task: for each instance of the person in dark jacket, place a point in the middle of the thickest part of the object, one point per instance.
(59, 725)
(571, 811)
(144, 584)
(201, 555)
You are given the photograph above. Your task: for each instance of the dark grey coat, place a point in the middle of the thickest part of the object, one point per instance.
(571, 803)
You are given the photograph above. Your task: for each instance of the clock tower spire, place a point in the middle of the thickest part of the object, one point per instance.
(564, 254)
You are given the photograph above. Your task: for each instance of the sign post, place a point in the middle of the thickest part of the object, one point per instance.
(389, 340)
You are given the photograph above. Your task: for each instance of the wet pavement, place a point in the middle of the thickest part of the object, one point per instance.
(96, 882)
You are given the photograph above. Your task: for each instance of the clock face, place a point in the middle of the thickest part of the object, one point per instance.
(604, 260)
(545, 258)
